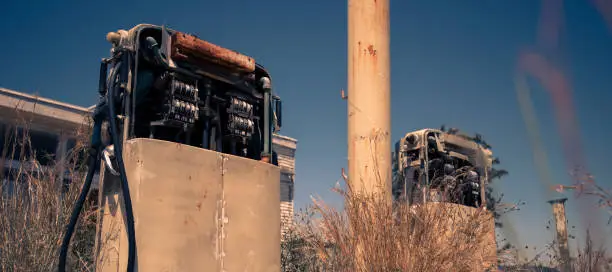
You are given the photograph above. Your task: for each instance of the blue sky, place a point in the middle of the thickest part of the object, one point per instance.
(452, 63)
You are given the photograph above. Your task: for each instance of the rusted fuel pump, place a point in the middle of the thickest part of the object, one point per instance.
(436, 170)
(188, 181)
(433, 166)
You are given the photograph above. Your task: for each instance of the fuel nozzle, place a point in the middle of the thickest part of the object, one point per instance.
(154, 53)
(98, 116)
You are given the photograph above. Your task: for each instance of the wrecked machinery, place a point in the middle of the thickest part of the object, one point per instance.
(434, 166)
(188, 181)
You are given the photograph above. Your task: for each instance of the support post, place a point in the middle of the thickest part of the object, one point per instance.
(369, 99)
(558, 206)
(369, 107)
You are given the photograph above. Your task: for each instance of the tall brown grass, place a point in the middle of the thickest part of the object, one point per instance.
(436, 237)
(402, 238)
(35, 207)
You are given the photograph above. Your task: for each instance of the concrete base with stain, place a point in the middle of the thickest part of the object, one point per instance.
(194, 210)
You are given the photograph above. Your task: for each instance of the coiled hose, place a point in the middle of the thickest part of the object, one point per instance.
(94, 159)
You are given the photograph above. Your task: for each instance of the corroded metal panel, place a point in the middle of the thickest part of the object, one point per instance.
(252, 215)
(194, 210)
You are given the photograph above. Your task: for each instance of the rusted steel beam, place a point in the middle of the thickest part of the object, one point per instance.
(189, 48)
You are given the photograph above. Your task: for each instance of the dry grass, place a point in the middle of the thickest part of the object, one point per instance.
(401, 238)
(396, 238)
(36, 207)
(35, 212)
(404, 239)
(590, 258)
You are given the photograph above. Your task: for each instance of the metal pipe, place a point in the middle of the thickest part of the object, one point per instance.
(369, 102)
(558, 206)
(266, 86)
(267, 134)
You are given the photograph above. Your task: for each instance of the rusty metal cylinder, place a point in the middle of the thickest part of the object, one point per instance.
(369, 97)
(369, 103)
(194, 210)
(191, 49)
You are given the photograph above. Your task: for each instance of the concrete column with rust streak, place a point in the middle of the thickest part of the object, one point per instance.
(369, 97)
(558, 206)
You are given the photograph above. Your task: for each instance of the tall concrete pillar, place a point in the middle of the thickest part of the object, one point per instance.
(558, 206)
(369, 104)
(369, 97)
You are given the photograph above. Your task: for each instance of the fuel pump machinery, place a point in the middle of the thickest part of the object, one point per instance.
(188, 179)
(440, 171)
(431, 165)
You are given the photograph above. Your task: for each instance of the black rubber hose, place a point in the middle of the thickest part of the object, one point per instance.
(127, 200)
(94, 159)
(93, 164)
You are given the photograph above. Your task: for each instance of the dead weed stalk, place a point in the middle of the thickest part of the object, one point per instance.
(35, 205)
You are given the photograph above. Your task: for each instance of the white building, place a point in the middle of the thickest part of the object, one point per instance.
(285, 148)
(53, 126)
